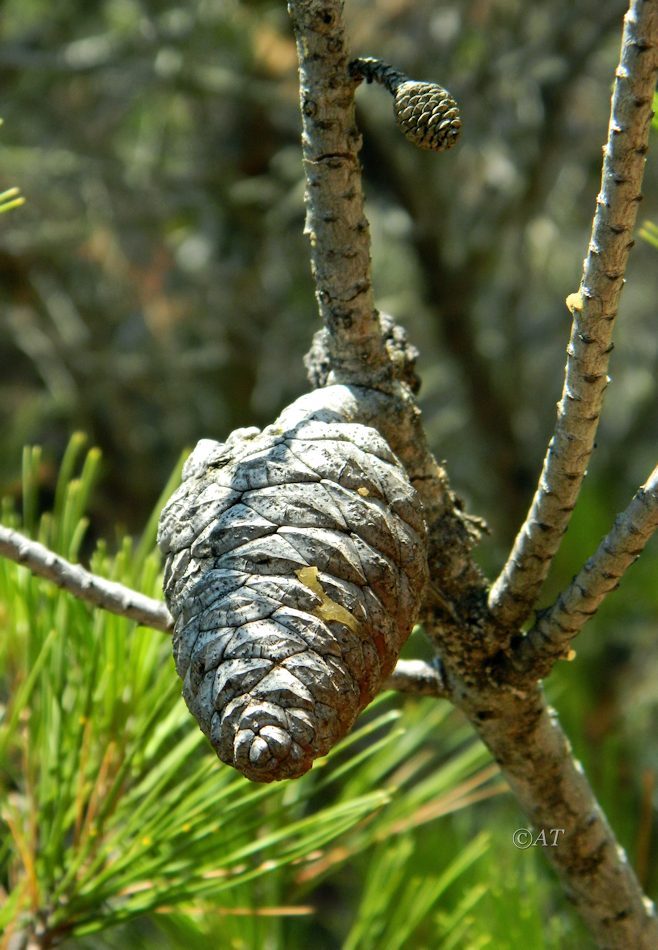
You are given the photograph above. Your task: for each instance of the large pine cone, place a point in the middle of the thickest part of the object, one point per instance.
(295, 563)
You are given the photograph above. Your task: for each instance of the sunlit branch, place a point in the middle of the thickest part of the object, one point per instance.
(84, 585)
(418, 677)
(551, 637)
(593, 308)
(409, 676)
(335, 220)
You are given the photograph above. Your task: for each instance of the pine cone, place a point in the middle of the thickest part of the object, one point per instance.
(427, 114)
(295, 564)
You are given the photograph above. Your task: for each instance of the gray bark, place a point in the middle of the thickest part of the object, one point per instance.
(550, 638)
(82, 583)
(409, 676)
(594, 309)
(312, 540)
(472, 642)
(337, 227)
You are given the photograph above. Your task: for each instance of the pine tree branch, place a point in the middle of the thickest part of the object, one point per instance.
(522, 733)
(526, 739)
(409, 676)
(335, 221)
(594, 309)
(550, 638)
(419, 678)
(84, 585)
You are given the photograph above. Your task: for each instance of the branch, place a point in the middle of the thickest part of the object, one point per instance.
(82, 583)
(594, 309)
(525, 738)
(521, 732)
(335, 220)
(409, 676)
(419, 678)
(550, 638)
(451, 288)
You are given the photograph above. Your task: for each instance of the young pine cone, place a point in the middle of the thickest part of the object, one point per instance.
(425, 112)
(295, 564)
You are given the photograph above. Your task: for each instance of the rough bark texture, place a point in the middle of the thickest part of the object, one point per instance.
(513, 719)
(525, 738)
(594, 309)
(296, 557)
(550, 638)
(335, 222)
(295, 564)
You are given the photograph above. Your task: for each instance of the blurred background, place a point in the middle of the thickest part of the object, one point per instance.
(156, 289)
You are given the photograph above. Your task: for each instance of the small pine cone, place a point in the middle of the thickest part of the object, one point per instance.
(427, 114)
(295, 562)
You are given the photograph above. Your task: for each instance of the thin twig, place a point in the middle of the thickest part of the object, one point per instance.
(86, 586)
(594, 309)
(419, 678)
(451, 287)
(409, 676)
(335, 220)
(550, 638)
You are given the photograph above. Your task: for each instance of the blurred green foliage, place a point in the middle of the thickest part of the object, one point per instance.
(155, 289)
(11, 198)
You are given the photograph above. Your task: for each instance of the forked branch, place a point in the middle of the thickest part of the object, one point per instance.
(594, 309)
(550, 638)
(522, 733)
(520, 730)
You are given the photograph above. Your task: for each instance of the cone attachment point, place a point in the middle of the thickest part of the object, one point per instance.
(425, 112)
